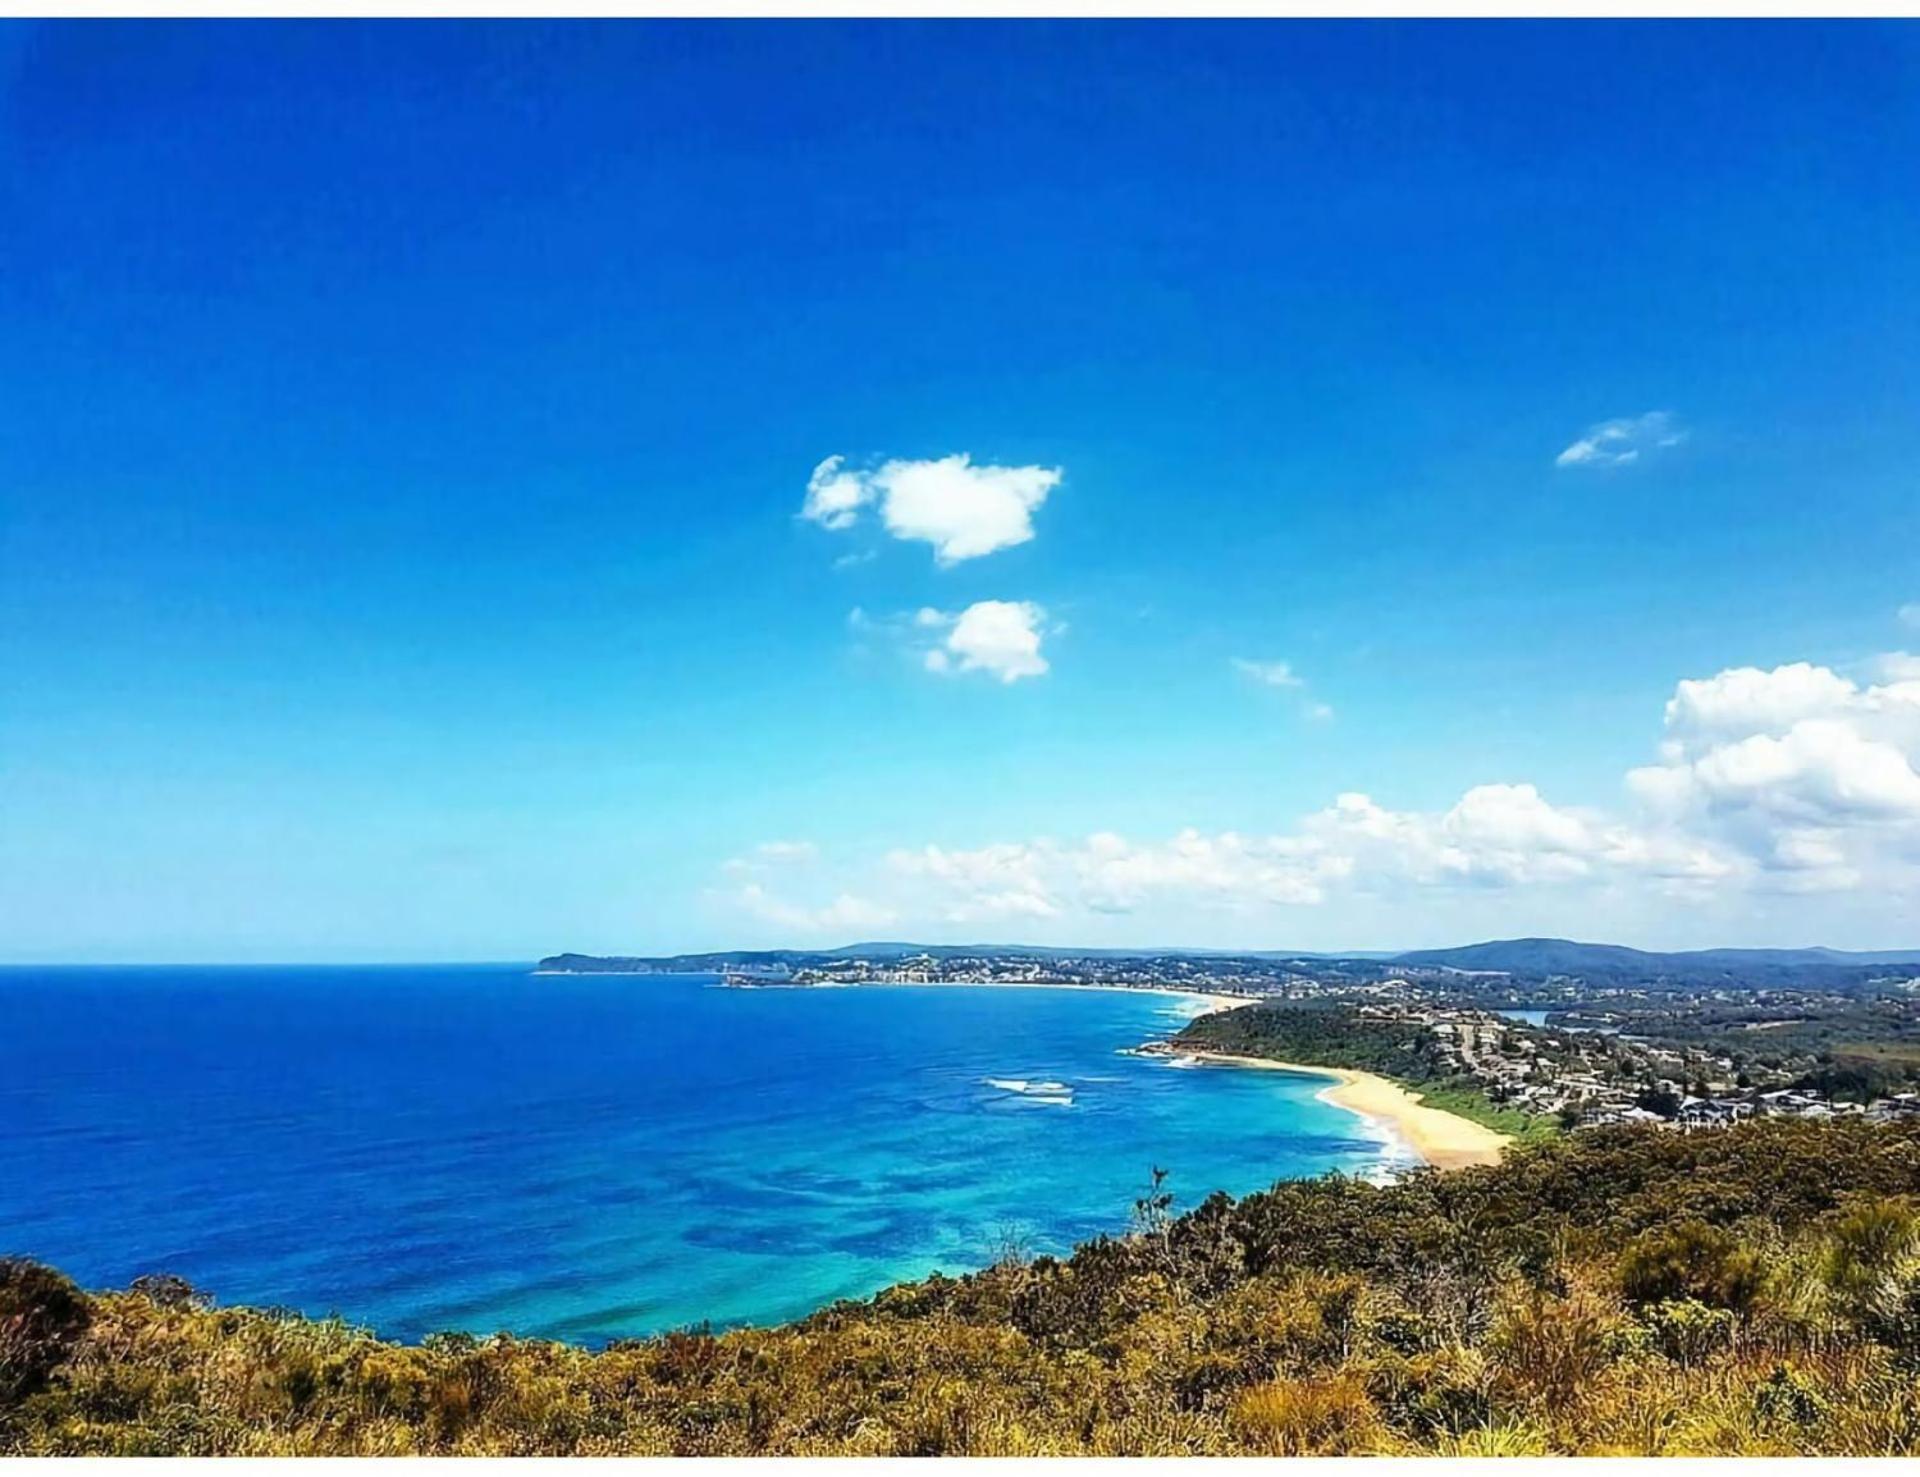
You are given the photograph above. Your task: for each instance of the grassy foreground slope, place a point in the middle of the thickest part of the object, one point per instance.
(1617, 1290)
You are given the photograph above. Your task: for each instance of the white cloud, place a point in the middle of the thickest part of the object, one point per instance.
(1789, 781)
(1004, 881)
(846, 911)
(787, 851)
(1282, 675)
(1273, 674)
(1799, 770)
(835, 495)
(1747, 700)
(998, 637)
(1910, 614)
(768, 855)
(963, 510)
(1617, 443)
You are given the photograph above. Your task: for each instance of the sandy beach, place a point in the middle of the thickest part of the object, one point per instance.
(1444, 1140)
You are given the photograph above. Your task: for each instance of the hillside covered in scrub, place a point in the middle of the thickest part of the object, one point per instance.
(1623, 1290)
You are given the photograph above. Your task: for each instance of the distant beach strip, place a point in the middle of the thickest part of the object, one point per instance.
(1443, 1140)
(1429, 1135)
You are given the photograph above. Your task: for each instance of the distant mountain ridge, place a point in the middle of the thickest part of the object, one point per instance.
(1564, 956)
(1523, 956)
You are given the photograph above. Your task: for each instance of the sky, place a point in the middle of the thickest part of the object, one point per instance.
(470, 492)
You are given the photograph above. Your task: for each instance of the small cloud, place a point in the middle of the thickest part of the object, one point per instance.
(834, 495)
(1910, 614)
(998, 637)
(1618, 443)
(847, 912)
(1273, 674)
(770, 854)
(963, 510)
(1282, 675)
(787, 851)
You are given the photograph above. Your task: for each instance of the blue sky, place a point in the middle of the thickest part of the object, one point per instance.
(406, 433)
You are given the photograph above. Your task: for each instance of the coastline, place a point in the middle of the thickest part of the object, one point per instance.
(1215, 1003)
(1441, 1139)
(1434, 1137)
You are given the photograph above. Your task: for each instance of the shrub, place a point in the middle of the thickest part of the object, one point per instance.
(1687, 1330)
(1786, 1397)
(1871, 1267)
(1692, 1260)
(42, 1316)
(1309, 1417)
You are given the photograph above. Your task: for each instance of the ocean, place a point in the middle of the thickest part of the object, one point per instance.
(597, 1157)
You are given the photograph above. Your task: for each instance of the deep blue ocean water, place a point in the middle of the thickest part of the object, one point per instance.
(594, 1157)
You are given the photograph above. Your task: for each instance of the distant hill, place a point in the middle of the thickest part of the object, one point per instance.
(1043, 951)
(1530, 958)
(1538, 956)
(880, 950)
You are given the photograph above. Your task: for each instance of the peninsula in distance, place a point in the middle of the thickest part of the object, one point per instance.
(1514, 1034)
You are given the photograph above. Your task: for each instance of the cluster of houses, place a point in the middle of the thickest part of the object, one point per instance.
(1025, 969)
(1725, 1111)
(1607, 1081)
(1785, 1102)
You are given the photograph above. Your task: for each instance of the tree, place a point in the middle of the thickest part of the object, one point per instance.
(1153, 1215)
(1660, 1099)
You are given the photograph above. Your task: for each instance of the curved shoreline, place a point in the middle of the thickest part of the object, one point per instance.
(1441, 1139)
(1433, 1136)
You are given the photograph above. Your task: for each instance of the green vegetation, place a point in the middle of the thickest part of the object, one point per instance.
(1753, 1291)
(1322, 1036)
(1852, 1049)
(1463, 1097)
(1325, 1035)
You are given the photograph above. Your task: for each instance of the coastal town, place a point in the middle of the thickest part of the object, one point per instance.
(1579, 1077)
(1539, 1032)
(1565, 1049)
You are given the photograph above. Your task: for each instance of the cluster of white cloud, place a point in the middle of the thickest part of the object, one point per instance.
(1282, 675)
(1617, 443)
(846, 914)
(964, 511)
(1806, 775)
(751, 893)
(1788, 780)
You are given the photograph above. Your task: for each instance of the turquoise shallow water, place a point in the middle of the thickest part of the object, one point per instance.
(596, 1157)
